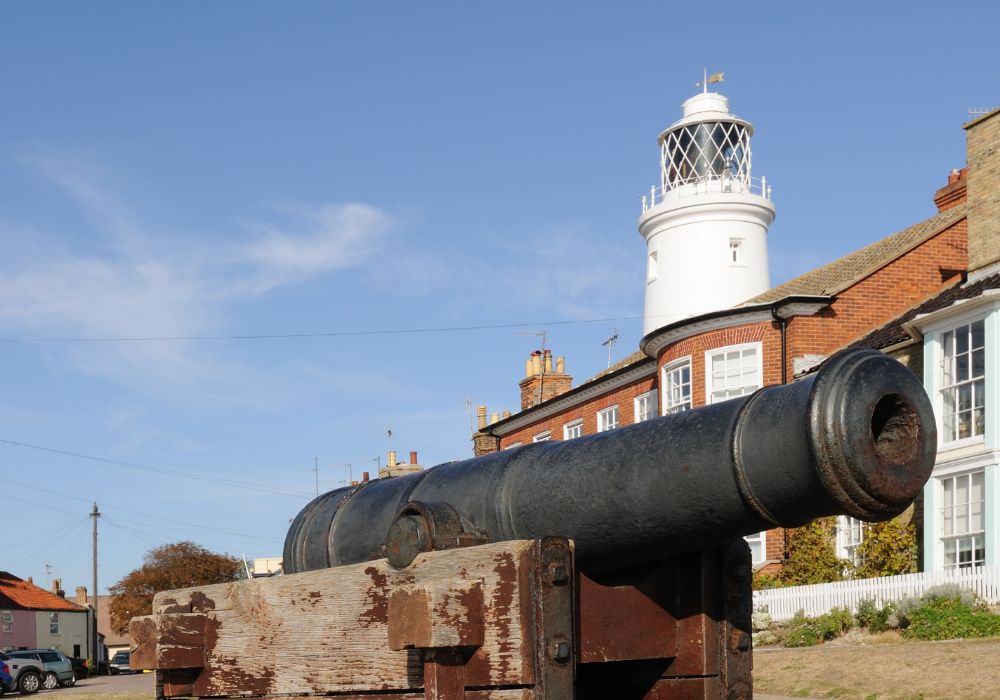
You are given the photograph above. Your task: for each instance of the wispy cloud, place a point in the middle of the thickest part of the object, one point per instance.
(130, 279)
(335, 237)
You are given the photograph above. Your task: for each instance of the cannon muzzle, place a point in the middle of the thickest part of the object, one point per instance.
(856, 438)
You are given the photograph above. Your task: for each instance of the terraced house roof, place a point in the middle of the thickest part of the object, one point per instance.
(844, 272)
(25, 595)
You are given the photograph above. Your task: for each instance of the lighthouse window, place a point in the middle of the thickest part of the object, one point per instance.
(651, 270)
(735, 253)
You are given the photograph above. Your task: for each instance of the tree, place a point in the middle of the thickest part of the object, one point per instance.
(888, 548)
(810, 556)
(169, 566)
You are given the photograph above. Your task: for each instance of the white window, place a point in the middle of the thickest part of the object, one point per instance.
(758, 547)
(573, 429)
(645, 406)
(607, 419)
(850, 533)
(962, 520)
(651, 270)
(735, 252)
(7, 618)
(677, 387)
(54, 623)
(543, 437)
(733, 371)
(963, 371)
(512, 445)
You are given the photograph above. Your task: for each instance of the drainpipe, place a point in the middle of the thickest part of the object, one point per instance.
(783, 325)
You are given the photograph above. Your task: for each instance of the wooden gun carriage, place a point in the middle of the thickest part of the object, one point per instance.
(610, 566)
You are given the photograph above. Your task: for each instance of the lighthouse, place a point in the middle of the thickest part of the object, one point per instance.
(705, 226)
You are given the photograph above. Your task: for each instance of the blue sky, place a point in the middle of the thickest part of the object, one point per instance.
(182, 170)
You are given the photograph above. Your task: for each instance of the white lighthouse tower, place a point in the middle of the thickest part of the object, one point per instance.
(706, 225)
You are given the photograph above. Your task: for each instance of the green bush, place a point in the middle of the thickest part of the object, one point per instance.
(805, 635)
(805, 631)
(876, 619)
(951, 618)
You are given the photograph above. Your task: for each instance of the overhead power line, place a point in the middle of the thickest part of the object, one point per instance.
(264, 488)
(318, 334)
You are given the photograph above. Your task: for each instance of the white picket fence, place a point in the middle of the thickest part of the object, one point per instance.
(782, 603)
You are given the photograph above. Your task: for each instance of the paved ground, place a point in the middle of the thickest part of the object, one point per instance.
(129, 683)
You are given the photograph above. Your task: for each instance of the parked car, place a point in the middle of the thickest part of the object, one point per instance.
(56, 668)
(81, 669)
(6, 680)
(26, 674)
(119, 663)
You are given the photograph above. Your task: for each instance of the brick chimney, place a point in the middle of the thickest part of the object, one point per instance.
(81, 595)
(983, 155)
(482, 442)
(57, 587)
(954, 192)
(542, 381)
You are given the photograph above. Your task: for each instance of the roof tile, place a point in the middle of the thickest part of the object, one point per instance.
(17, 593)
(843, 272)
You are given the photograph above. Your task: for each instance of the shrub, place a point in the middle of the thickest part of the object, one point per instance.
(762, 582)
(876, 619)
(809, 554)
(760, 620)
(950, 618)
(888, 548)
(764, 637)
(804, 635)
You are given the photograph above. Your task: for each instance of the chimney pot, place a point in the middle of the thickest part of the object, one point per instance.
(413, 456)
(392, 458)
(481, 417)
(364, 477)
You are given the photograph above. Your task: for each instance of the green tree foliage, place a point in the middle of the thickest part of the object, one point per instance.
(169, 566)
(887, 549)
(810, 556)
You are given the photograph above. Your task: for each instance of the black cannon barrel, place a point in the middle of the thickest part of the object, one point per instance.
(856, 438)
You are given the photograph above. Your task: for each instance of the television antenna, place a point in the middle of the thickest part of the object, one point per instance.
(610, 343)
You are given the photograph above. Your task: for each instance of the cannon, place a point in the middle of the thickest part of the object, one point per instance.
(611, 565)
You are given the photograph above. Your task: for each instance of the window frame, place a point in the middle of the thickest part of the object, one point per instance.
(648, 399)
(573, 425)
(948, 437)
(753, 539)
(850, 535)
(543, 436)
(666, 408)
(969, 535)
(604, 425)
(6, 621)
(757, 347)
(54, 623)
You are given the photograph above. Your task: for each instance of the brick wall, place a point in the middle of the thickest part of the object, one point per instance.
(983, 151)
(623, 397)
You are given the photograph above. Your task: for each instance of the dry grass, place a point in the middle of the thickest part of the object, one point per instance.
(883, 667)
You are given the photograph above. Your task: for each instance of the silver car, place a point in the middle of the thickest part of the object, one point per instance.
(57, 669)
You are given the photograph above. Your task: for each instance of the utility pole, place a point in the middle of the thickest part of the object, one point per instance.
(94, 661)
(316, 469)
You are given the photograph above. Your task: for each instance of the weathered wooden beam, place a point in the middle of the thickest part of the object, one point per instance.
(370, 627)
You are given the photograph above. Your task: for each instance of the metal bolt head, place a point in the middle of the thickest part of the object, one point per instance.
(559, 650)
(558, 574)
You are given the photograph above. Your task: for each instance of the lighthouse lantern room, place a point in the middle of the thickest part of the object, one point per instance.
(705, 226)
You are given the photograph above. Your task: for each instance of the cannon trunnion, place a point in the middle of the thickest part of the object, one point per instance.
(611, 566)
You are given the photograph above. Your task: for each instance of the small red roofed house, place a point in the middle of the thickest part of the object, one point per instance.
(32, 617)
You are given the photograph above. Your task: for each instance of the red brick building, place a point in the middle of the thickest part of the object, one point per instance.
(768, 339)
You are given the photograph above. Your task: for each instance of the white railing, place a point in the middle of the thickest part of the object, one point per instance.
(782, 603)
(706, 185)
